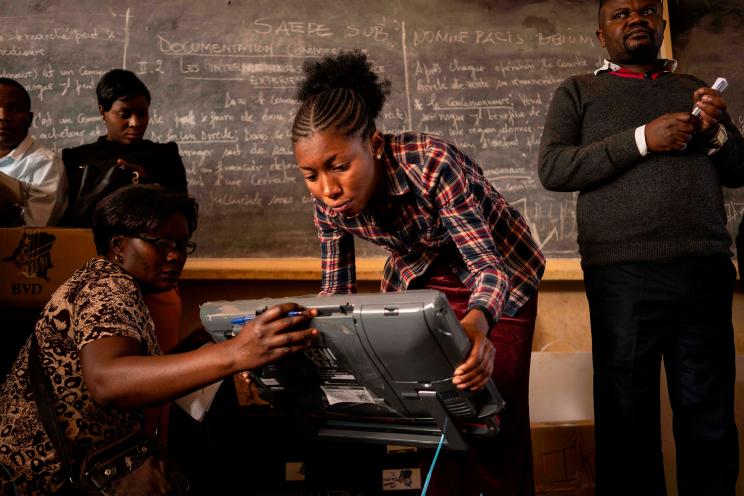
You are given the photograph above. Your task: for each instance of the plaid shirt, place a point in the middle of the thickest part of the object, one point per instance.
(437, 197)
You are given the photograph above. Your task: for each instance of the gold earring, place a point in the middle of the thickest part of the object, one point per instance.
(378, 156)
(119, 258)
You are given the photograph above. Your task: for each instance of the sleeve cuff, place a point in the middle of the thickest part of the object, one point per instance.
(718, 140)
(640, 139)
(622, 149)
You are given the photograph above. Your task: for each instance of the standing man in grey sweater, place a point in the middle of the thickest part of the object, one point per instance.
(655, 253)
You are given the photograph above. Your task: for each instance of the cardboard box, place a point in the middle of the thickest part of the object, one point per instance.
(561, 389)
(563, 455)
(35, 261)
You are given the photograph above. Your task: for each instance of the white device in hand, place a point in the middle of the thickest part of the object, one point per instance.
(720, 85)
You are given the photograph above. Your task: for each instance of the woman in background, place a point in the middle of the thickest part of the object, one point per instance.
(121, 157)
(446, 228)
(97, 343)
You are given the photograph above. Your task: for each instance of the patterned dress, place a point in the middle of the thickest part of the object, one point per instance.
(99, 300)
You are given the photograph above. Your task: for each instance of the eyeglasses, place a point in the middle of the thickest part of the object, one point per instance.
(168, 245)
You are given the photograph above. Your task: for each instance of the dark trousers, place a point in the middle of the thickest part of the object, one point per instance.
(681, 312)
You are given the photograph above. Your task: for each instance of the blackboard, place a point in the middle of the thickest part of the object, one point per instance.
(708, 39)
(223, 75)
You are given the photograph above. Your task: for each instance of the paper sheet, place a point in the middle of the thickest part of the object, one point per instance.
(197, 403)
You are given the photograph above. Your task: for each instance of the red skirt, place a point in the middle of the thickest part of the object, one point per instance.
(500, 465)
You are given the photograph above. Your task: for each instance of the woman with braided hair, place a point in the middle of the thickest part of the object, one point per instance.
(446, 228)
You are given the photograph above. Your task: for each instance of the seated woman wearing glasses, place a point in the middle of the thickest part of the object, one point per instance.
(98, 348)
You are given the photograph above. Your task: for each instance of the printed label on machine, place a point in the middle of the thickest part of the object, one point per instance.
(347, 395)
(329, 369)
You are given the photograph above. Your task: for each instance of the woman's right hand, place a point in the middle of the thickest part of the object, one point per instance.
(267, 338)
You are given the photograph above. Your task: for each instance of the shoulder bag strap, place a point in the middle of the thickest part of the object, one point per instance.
(43, 398)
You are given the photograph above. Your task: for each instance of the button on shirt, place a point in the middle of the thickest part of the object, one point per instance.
(43, 181)
(437, 196)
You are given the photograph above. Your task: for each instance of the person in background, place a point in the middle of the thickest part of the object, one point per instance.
(655, 252)
(97, 344)
(33, 184)
(446, 228)
(123, 156)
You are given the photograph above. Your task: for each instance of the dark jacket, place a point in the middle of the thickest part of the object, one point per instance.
(92, 173)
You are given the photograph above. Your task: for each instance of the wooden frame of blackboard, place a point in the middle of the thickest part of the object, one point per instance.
(308, 269)
(666, 45)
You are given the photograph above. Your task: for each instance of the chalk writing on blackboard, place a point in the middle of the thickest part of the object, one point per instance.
(223, 77)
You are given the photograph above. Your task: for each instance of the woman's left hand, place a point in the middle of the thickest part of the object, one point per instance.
(475, 371)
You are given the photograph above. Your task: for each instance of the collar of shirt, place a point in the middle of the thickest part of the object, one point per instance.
(665, 65)
(20, 150)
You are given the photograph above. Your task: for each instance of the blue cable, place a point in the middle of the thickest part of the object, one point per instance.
(434, 460)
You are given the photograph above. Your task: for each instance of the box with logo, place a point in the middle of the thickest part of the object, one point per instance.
(35, 261)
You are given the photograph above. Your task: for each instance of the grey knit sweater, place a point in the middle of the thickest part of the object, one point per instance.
(630, 208)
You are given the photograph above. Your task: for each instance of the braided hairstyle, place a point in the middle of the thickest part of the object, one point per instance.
(340, 92)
